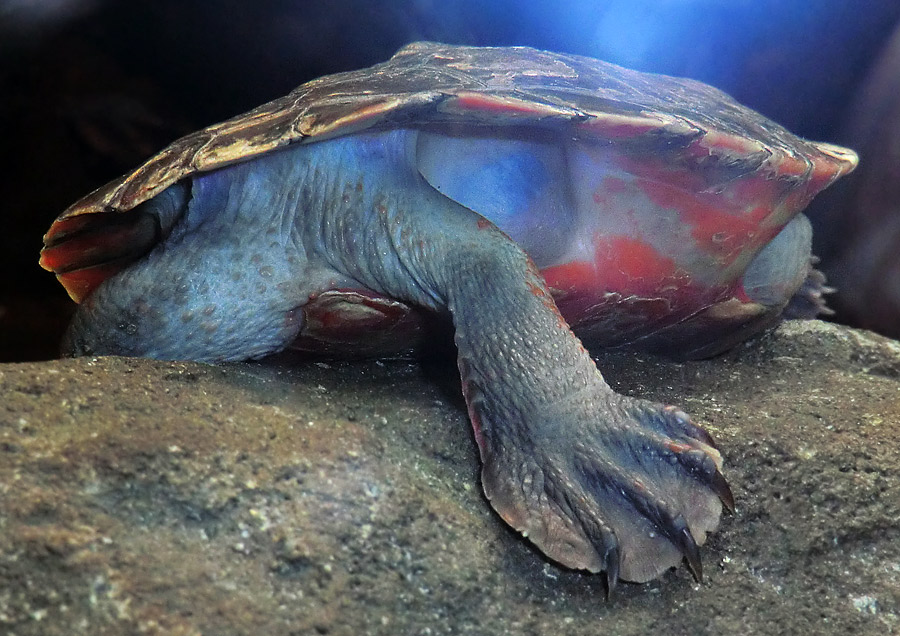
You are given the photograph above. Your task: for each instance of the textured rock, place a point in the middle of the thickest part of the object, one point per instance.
(290, 497)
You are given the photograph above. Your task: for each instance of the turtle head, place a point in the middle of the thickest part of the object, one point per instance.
(170, 306)
(105, 324)
(89, 251)
(134, 312)
(188, 296)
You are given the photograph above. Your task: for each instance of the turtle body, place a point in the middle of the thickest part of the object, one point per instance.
(520, 194)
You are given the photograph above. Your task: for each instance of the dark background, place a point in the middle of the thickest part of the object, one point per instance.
(90, 88)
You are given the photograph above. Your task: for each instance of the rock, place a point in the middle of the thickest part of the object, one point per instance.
(296, 497)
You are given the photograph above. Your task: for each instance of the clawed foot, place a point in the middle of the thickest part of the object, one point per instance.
(631, 490)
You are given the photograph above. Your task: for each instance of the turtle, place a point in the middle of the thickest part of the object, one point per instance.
(532, 201)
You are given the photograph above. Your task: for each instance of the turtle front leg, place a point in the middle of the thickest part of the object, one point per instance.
(597, 480)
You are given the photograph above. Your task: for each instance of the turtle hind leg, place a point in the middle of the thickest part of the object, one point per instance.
(598, 481)
(809, 300)
(782, 277)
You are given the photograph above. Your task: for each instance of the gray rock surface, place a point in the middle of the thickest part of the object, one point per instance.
(291, 497)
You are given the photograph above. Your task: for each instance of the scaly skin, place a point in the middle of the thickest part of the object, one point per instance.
(597, 480)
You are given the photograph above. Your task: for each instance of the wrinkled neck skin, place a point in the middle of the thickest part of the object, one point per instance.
(249, 245)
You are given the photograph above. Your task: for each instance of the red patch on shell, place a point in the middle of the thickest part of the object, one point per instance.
(578, 274)
(86, 249)
(625, 267)
(62, 227)
(609, 126)
(628, 291)
(503, 105)
(630, 266)
(723, 234)
(714, 142)
(81, 282)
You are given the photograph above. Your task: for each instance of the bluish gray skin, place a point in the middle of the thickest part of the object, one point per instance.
(597, 480)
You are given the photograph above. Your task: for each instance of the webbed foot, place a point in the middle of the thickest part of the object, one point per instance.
(614, 484)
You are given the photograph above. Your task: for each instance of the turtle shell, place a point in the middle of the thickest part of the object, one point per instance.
(697, 131)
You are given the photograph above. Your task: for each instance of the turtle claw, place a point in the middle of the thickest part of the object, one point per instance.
(611, 565)
(720, 486)
(691, 553)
